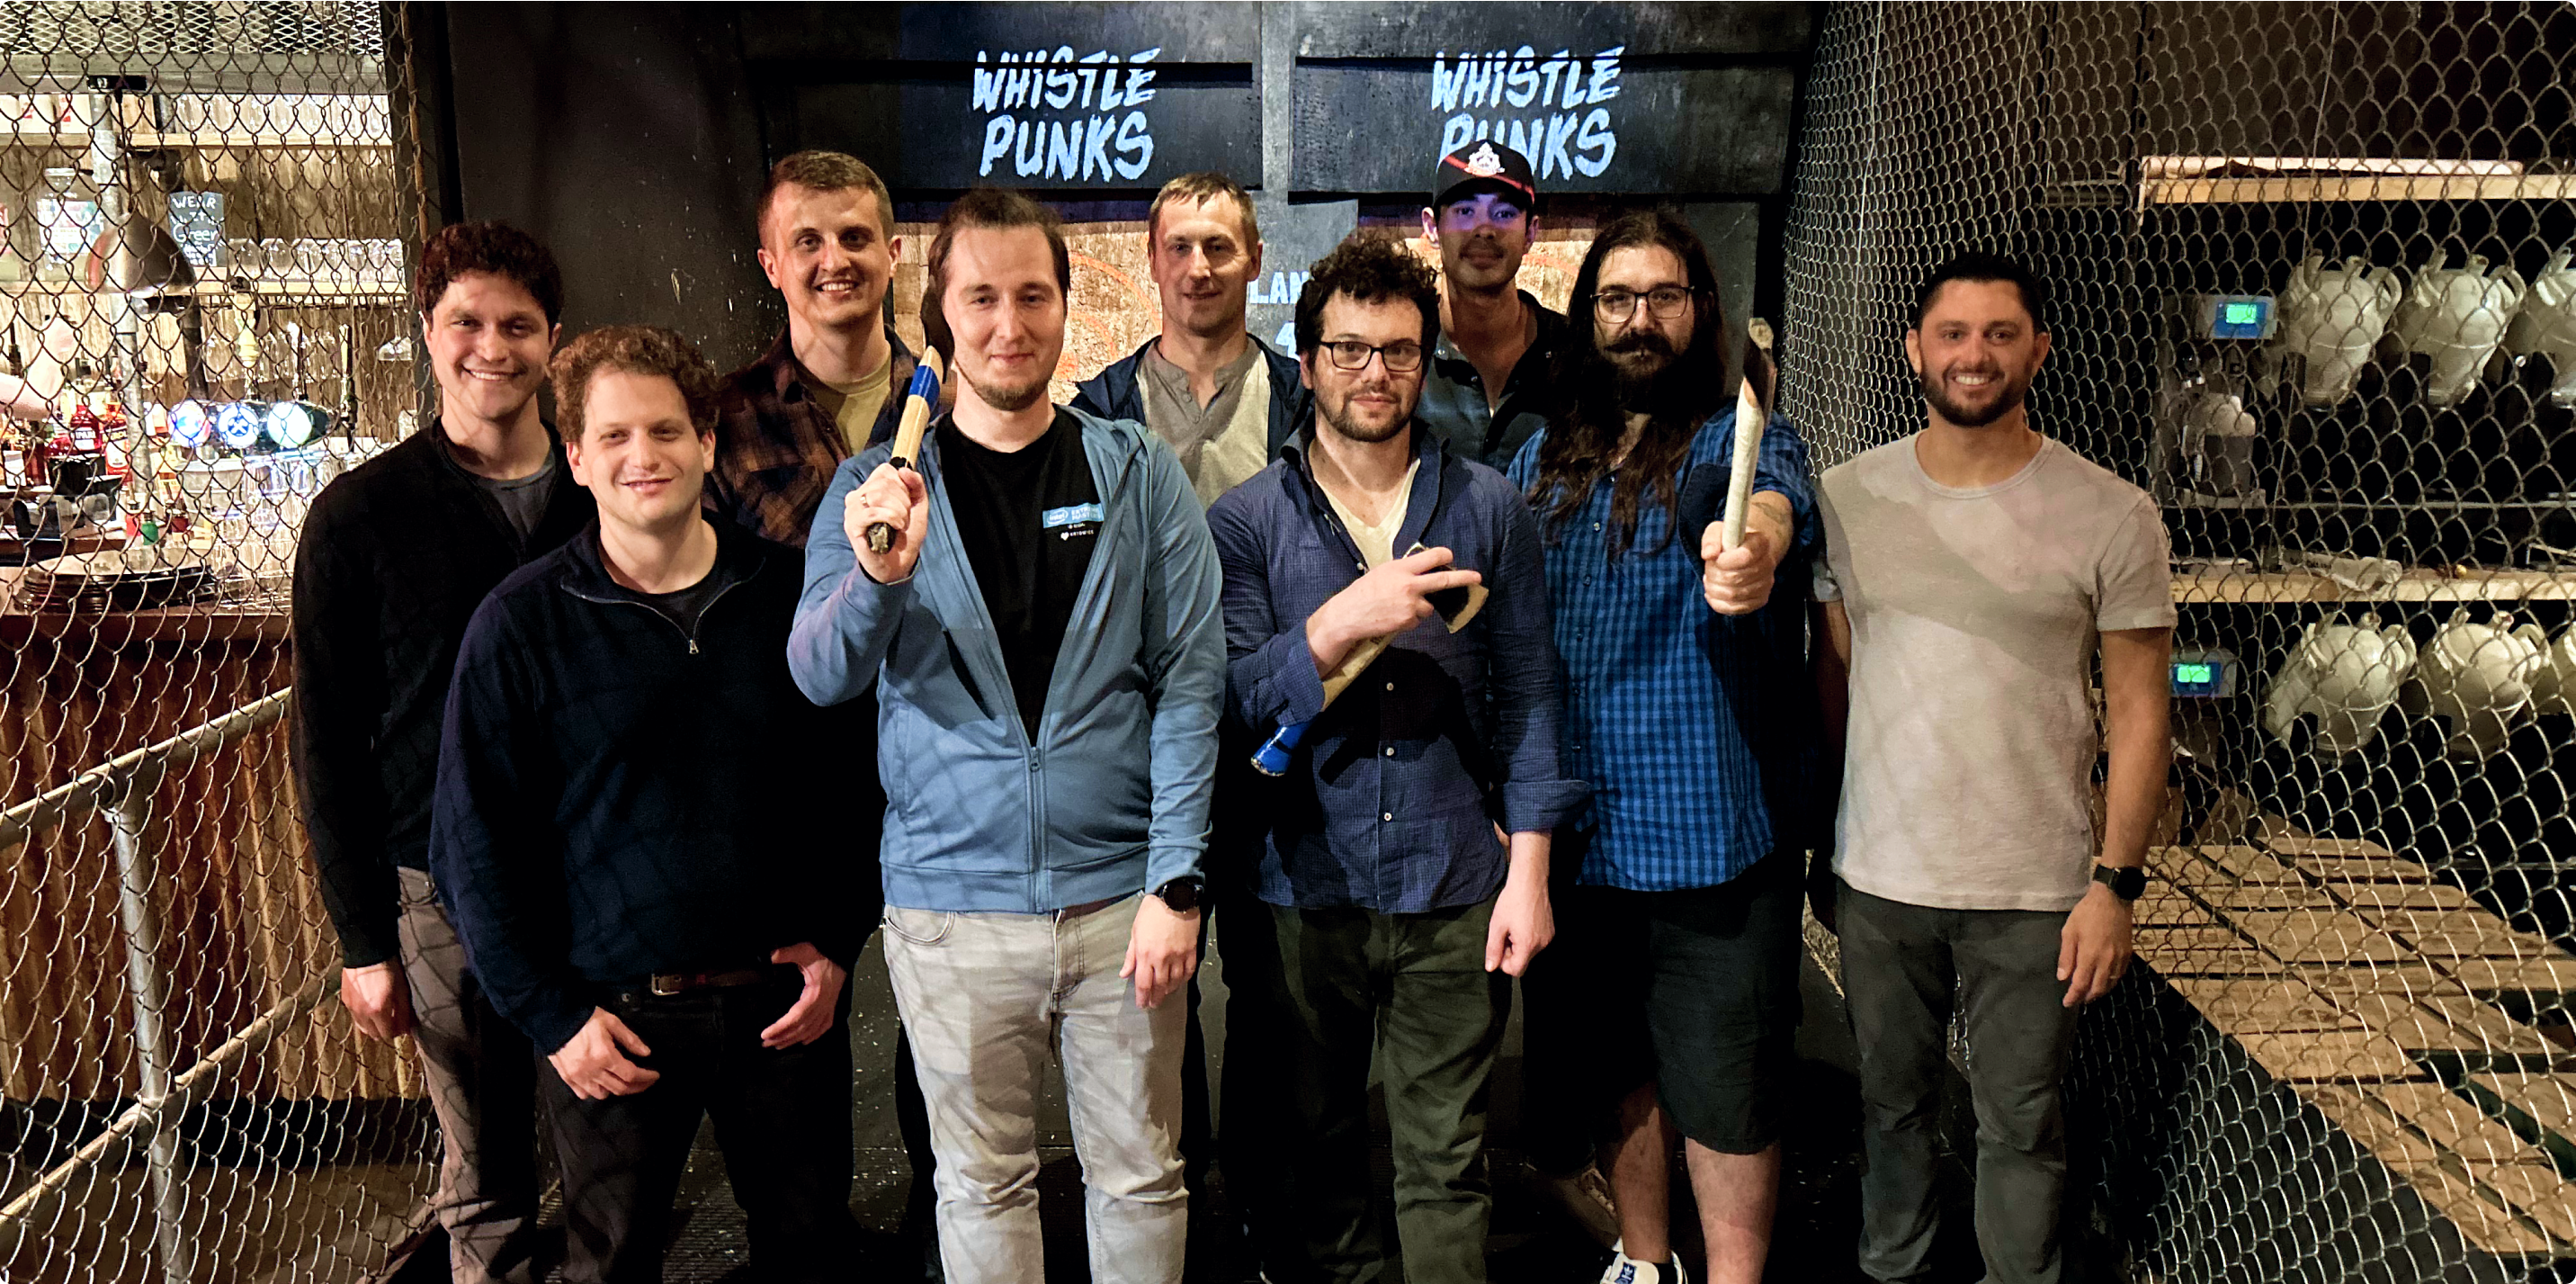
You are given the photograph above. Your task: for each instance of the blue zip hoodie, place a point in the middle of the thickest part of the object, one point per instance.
(1112, 797)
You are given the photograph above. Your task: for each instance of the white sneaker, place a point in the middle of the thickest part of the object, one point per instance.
(1624, 1269)
(1584, 1196)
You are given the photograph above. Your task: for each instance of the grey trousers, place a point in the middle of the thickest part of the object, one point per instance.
(482, 1077)
(1904, 966)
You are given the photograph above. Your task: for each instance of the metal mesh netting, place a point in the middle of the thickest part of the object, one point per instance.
(2313, 290)
(204, 319)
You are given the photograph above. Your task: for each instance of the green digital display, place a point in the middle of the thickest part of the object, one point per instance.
(2197, 673)
(2242, 314)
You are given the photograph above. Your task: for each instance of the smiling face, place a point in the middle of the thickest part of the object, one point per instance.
(488, 341)
(1372, 403)
(829, 255)
(1976, 353)
(1005, 312)
(638, 453)
(1481, 236)
(1203, 264)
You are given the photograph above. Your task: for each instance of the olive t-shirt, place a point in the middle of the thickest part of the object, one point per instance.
(854, 406)
(1028, 519)
(1975, 615)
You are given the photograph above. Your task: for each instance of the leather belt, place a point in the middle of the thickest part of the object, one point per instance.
(669, 983)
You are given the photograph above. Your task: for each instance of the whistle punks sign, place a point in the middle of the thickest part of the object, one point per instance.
(1055, 117)
(1555, 110)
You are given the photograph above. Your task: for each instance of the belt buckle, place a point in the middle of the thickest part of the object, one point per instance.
(666, 984)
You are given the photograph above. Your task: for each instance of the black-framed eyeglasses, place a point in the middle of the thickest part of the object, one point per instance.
(1403, 356)
(1663, 303)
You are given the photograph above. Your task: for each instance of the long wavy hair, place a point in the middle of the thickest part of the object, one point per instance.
(1576, 453)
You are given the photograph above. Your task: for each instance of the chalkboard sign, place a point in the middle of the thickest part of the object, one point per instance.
(1035, 96)
(1587, 121)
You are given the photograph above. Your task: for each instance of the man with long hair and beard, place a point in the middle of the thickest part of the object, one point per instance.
(1670, 1001)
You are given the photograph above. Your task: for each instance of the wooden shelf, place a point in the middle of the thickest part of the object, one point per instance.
(289, 289)
(2419, 584)
(2311, 188)
(80, 140)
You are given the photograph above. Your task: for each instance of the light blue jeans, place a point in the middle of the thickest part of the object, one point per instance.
(986, 998)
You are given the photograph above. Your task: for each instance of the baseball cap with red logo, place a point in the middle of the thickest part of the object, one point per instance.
(1487, 164)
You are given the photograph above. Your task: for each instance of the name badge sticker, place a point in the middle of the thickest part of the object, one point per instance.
(1070, 515)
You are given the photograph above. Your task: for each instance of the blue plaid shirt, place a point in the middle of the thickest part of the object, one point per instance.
(1687, 723)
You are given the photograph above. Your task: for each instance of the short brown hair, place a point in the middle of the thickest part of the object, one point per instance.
(826, 172)
(1367, 269)
(1206, 185)
(988, 207)
(634, 349)
(497, 248)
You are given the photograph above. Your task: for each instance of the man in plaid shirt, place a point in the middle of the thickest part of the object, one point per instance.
(1670, 1001)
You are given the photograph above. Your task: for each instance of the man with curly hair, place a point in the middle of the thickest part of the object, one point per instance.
(392, 560)
(1405, 849)
(610, 834)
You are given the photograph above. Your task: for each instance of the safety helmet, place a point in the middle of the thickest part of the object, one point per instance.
(2546, 325)
(2478, 678)
(2333, 317)
(2553, 686)
(2457, 316)
(2343, 675)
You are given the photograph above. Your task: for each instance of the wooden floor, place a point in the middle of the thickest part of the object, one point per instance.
(2395, 1004)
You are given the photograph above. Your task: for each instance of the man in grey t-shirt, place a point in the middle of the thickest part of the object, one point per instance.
(1973, 572)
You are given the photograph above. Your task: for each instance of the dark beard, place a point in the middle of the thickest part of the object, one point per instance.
(1952, 412)
(1355, 431)
(1642, 386)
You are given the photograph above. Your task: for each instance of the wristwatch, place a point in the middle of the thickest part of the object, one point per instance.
(2128, 884)
(1181, 895)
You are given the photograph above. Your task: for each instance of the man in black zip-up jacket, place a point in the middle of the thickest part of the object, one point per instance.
(393, 559)
(610, 832)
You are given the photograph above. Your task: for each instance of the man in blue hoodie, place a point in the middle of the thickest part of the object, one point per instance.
(1046, 622)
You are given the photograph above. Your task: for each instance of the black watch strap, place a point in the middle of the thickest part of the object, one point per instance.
(1181, 895)
(2128, 884)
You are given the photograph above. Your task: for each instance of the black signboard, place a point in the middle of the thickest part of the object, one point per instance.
(1036, 96)
(1587, 123)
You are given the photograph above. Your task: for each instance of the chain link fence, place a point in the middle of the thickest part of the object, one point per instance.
(204, 319)
(2313, 291)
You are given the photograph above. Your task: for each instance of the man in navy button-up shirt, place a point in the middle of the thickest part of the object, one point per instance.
(1401, 907)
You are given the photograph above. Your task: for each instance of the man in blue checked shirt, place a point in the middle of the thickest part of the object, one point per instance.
(1402, 909)
(1671, 1001)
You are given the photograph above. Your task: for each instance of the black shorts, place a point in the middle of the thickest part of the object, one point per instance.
(1694, 991)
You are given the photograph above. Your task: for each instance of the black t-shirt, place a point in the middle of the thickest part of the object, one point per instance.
(1028, 519)
(683, 606)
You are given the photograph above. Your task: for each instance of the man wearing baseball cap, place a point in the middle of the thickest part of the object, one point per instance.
(1481, 393)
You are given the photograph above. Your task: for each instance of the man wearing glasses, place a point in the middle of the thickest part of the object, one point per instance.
(1669, 1005)
(1402, 909)
(1482, 394)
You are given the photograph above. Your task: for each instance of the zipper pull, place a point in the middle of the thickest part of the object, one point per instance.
(693, 646)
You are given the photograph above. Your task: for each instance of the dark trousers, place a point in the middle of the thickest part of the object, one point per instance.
(1412, 991)
(1563, 1117)
(1250, 1129)
(483, 1085)
(1904, 966)
(782, 1118)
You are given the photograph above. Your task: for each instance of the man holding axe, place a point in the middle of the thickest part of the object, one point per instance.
(1670, 1003)
(1406, 847)
(1042, 608)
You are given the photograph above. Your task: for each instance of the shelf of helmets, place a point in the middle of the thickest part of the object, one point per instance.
(2369, 986)
(2402, 341)
(2301, 189)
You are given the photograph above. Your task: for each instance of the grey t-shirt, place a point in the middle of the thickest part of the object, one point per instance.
(523, 499)
(1975, 615)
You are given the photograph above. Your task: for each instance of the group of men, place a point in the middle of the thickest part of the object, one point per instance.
(618, 736)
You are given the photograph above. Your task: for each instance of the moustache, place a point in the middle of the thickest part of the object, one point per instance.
(1640, 341)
